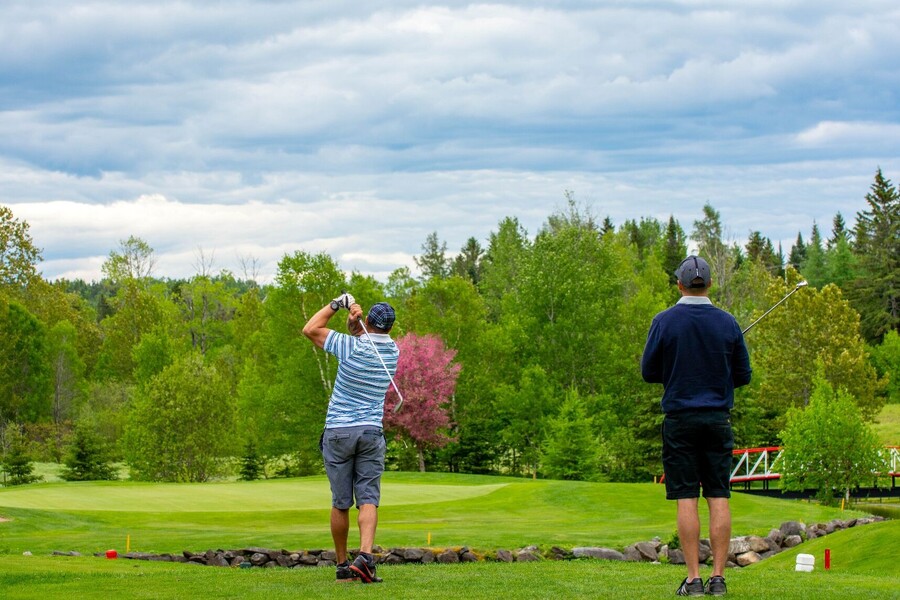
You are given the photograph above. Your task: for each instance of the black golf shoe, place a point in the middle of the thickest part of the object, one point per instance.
(693, 587)
(345, 573)
(715, 586)
(364, 567)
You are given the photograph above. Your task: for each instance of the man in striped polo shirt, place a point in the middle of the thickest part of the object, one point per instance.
(353, 443)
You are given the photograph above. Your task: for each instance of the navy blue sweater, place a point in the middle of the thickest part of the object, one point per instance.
(697, 352)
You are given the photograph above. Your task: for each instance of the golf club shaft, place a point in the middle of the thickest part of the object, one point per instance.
(797, 287)
(396, 389)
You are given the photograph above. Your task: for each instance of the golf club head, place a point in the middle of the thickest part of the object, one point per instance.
(801, 284)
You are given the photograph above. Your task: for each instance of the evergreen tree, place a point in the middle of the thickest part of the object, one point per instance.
(88, 458)
(570, 450)
(838, 231)
(674, 248)
(467, 263)
(607, 226)
(813, 267)
(433, 261)
(876, 292)
(797, 256)
(252, 464)
(16, 463)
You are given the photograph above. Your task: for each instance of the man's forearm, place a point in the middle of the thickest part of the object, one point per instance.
(316, 329)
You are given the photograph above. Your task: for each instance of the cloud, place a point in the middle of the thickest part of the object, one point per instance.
(261, 127)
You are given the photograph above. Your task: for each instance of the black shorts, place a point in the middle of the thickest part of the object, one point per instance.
(697, 449)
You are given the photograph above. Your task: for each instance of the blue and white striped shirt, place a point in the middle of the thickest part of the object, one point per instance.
(361, 383)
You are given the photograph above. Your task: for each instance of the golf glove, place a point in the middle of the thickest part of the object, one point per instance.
(343, 301)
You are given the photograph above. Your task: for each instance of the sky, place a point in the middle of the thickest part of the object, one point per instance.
(229, 133)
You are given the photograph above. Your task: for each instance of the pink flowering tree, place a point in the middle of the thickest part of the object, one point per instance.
(426, 376)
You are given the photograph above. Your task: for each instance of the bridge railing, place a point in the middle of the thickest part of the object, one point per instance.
(751, 467)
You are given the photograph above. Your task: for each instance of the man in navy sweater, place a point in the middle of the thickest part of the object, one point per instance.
(697, 352)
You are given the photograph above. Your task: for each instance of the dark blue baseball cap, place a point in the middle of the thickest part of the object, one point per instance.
(382, 316)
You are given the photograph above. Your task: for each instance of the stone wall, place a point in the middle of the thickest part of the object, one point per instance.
(743, 551)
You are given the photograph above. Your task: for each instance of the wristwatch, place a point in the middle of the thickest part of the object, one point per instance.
(335, 306)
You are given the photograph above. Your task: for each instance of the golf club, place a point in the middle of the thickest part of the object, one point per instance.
(396, 389)
(797, 287)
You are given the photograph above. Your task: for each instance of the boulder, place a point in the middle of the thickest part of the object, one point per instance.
(411, 554)
(758, 544)
(526, 555)
(776, 536)
(447, 557)
(676, 556)
(649, 551)
(739, 546)
(593, 552)
(504, 556)
(792, 540)
(468, 556)
(789, 528)
(748, 558)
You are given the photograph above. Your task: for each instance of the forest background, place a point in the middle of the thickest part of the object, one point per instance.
(521, 356)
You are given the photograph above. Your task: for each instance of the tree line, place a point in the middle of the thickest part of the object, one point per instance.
(527, 348)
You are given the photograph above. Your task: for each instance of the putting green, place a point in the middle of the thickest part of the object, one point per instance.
(290, 494)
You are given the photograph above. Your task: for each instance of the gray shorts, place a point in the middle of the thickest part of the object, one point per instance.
(354, 462)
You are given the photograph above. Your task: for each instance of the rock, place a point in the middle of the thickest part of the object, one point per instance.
(308, 559)
(393, 559)
(792, 540)
(676, 556)
(468, 556)
(648, 550)
(412, 554)
(526, 555)
(504, 556)
(748, 558)
(258, 559)
(632, 554)
(790, 528)
(62, 553)
(328, 555)
(703, 552)
(237, 561)
(758, 544)
(776, 536)
(603, 553)
(427, 557)
(448, 557)
(560, 553)
(739, 546)
(218, 560)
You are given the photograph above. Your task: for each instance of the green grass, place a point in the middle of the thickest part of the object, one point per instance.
(484, 513)
(887, 427)
(864, 568)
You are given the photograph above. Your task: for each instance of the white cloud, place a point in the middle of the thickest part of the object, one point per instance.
(259, 128)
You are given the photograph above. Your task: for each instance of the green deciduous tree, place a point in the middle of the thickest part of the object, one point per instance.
(181, 424)
(18, 254)
(886, 360)
(827, 445)
(25, 374)
(811, 327)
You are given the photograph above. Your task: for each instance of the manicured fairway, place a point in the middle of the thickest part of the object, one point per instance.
(486, 513)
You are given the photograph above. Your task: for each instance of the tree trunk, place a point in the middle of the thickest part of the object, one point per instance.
(421, 455)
